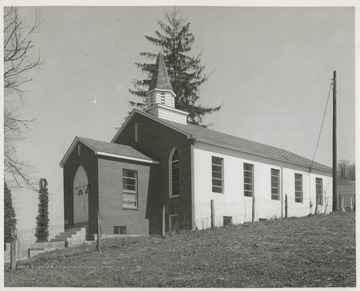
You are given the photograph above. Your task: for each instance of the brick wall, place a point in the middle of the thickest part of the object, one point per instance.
(156, 141)
(88, 161)
(111, 196)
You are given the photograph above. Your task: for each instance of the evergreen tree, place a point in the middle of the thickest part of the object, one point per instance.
(42, 220)
(186, 73)
(9, 214)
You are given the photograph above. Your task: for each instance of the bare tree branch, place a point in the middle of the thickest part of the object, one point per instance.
(19, 62)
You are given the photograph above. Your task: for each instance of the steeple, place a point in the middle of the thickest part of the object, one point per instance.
(160, 78)
(160, 90)
(161, 97)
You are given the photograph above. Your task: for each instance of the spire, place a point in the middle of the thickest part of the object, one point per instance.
(160, 90)
(160, 78)
(161, 97)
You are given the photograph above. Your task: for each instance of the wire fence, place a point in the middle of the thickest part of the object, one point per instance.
(219, 212)
(25, 238)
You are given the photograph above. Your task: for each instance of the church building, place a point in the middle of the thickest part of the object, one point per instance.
(159, 168)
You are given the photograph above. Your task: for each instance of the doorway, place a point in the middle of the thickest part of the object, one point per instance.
(81, 196)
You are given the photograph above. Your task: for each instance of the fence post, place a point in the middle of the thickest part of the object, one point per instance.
(351, 204)
(354, 202)
(342, 205)
(253, 209)
(13, 249)
(98, 245)
(286, 206)
(316, 203)
(163, 222)
(340, 202)
(212, 213)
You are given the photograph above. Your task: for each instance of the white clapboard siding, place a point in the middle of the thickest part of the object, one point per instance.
(232, 201)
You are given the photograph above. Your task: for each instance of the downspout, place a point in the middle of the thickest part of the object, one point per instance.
(194, 140)
(282, 192)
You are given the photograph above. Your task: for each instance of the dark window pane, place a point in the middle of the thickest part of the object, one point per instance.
(275, 197)
(248, 174)
(216, 160)
(248, 167)
(175, 156)
(274, 172)
(129, 173)
(248, 187)
(248, 180)
(275, 184)
(217, 189)
(217, 175)
(248, 193)
(216, 168)
(275, 190)
(216, 182)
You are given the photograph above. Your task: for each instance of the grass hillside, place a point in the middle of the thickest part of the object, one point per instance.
(313, 251)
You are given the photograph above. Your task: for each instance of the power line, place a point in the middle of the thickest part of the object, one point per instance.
(321, 127)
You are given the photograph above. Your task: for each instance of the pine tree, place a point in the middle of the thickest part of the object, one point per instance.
(42, 220)
(9, 214)
(186, 73)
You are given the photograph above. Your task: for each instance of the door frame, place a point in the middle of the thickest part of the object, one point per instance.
(86, 188)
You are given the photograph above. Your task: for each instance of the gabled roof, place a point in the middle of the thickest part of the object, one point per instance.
(232, 142)
(108, 149)
(244, 145)
(160, 78)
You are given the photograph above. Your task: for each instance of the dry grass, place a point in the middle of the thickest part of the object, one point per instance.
(314, 251)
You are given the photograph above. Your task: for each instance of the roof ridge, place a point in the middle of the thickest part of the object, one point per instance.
(284, 151)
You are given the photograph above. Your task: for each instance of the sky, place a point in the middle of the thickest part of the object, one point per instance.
(271, 70)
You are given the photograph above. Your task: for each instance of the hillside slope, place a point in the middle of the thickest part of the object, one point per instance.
(314, 251)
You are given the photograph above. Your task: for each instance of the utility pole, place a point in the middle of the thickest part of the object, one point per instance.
(334, 146)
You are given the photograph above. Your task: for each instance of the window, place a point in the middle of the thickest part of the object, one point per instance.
(120, 229)
(174, 173)
(248, 180)
(275, 184)
(319, 191)
(79, 150)
(298, 188)
(217, 175)
(136, 133)
(129, 189)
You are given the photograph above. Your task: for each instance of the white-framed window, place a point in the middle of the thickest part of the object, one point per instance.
(319, 190)
(130, 189)
(275, 184)
(136, 132)
(248, 180)
(174, 173)
(217, 169)
(298, 188)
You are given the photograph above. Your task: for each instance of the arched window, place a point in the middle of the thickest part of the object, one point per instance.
(174, 173)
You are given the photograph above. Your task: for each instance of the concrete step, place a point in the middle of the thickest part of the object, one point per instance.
(48, 245)
(63, 236)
